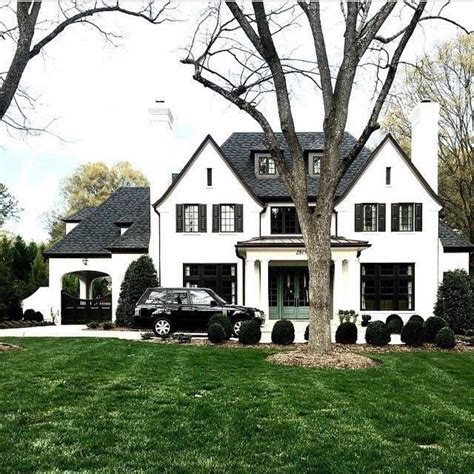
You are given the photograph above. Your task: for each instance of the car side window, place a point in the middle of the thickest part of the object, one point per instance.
(179, 297)
(201, 297)
(156, 297)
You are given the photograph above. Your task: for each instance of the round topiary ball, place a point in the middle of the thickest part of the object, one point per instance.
(417, 318)
(224, 321)
(346, 333)
(377, 334)
(250, 332)
(432, 327)
(38, 316)
(394, 324)
(445, 338)
(283, 332)
(216, 333)
(306, 333)
(412, 333)
(365, 320)
(29, 315)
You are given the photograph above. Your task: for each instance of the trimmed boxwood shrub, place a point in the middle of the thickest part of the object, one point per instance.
(216, 333)
(431, 328)
(394, 324)
(365, 320)
(445, 338)
(377, 334)
(412, 333)
(14, 312)
(38, 316)
(455, 301)
(346, 333)
(250, 332)
(417, 318)
(107, 325)
(225, 323)
(93, 325)
(306, 333)
(283, 332)
(29, 315)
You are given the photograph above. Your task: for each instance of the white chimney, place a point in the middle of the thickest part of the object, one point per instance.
(424, 140)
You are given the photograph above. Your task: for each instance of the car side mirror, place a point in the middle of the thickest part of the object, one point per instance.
(213, 303)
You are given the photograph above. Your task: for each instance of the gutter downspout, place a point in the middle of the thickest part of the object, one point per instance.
(243, 273)
(159, 242)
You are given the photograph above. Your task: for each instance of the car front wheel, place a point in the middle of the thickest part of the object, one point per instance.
(162, 327)
(237, 326)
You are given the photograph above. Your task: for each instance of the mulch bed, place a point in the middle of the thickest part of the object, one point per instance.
(23, 324)
(4, 347)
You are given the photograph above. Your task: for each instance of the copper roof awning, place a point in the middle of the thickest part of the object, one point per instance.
(298, 242)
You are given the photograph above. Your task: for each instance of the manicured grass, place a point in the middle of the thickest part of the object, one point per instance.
(85, 404)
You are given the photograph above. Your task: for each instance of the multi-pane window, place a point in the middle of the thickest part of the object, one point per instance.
(191, 218)
(266, 166)
(227, 218)
(284, 221)
(405, 217)
(369, 217)
(316, 165)
(387, 286)
(222, 278)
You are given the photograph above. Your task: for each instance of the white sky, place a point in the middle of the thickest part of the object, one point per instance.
(99, 96)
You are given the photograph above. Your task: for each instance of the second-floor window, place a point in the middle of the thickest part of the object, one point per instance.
(315, 164)
(227, 218)
(266, 166)
(191, 218)
(284, 221)
(407, 217)
(370, 217)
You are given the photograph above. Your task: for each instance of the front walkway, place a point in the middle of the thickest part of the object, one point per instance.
(81, 331)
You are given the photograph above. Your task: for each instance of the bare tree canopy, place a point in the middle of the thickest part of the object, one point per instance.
(27, 32)
(239, 53)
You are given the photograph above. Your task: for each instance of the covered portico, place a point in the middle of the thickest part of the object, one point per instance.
(276, 275)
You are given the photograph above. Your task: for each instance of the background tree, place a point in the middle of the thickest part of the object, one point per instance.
(27, 32)
(90, 185)
(444, 76)
(237, 52)
(140, 275)
(8, 205)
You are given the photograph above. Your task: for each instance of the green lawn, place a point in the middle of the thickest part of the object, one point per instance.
(85, 404)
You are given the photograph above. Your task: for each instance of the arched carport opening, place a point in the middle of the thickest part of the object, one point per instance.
(86, 296)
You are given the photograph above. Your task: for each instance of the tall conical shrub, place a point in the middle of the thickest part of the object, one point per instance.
(140, 275)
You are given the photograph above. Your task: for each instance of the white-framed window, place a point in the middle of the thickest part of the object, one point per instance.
(227, 217)
(406, 217)
(369, 217)
(266, 166)
(191, 218)
(315, 164)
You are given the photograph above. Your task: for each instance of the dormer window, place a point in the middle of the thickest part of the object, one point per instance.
(315, 164)
(266, 166)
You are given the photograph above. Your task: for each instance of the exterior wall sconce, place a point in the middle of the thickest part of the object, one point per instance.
(85, 261)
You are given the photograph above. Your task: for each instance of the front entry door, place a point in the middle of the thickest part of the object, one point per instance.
(289, 293)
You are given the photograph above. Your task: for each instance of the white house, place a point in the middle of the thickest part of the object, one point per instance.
(226, 222)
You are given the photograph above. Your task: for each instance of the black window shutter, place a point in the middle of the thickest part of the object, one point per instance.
(418, 217)
(358, 217)
(215, 218)
(179, 217)
(202, 218)
(239, 218)
(395, 221)
(381, 214)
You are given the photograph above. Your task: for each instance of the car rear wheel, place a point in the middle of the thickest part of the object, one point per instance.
(162, 327)
(236, 327)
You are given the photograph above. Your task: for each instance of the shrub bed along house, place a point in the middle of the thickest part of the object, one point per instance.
(250, 332)
(455, 301)
(365, 320)
(346, 333)
(431, 328)
(394, 323)
(29, 315)
(38, 316)
(225, 323)
(377, 334)
(445, 339)
(216, 333)
(412, 333)
(283, 332)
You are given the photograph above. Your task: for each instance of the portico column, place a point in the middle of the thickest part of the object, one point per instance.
(83, 288)
(264, 287)
(337, 288)
(353, 284)
(251, 283)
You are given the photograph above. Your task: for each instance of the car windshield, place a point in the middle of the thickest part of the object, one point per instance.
(217, 297)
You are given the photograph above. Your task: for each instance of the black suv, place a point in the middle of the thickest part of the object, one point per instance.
(188, 309)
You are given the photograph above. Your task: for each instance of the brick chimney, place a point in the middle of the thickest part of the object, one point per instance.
(424, 140)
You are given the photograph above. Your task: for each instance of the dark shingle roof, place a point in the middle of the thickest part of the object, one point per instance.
(98, 232)
(238, 147)
(79, 215)
(452, 239)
